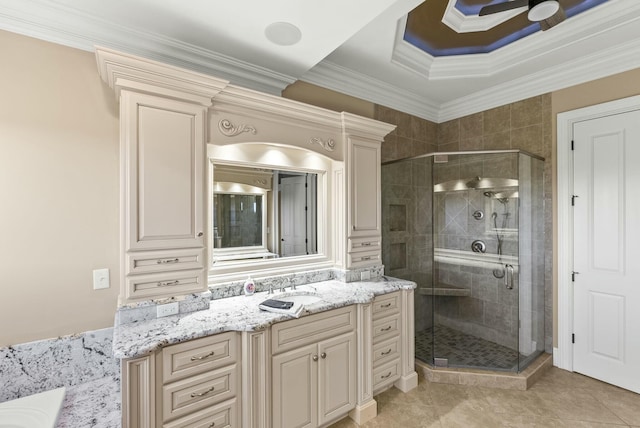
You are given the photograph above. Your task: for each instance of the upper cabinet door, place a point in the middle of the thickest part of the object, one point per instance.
(364, 188)
(164, 148)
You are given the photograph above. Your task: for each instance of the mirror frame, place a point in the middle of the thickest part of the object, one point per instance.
(286, 158)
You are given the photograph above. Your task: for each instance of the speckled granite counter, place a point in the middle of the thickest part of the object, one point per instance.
(94, 404)
(240, 313)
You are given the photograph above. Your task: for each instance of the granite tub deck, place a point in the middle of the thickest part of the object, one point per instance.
(241, 313)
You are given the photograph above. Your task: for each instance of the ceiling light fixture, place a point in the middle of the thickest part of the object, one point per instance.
(539, 10)
(283, 33)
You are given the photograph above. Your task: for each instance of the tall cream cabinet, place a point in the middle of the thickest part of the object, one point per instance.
(163, 179)
(363, 207)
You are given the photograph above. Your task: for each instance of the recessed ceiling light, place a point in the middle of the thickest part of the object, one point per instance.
(283, 33)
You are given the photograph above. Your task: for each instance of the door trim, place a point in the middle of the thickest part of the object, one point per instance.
(563, 354)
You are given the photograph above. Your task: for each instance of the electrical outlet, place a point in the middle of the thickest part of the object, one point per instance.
(167, 309)
(100, 279)
(366, 275)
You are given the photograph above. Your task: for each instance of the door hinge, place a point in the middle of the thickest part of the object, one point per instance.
(573, 200)
(572, 144)
(573, 338)
(573, 276)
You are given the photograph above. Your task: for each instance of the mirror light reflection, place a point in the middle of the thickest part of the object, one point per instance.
(263, 213)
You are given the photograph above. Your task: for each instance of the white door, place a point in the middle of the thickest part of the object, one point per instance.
(293, 216)
(606, 247)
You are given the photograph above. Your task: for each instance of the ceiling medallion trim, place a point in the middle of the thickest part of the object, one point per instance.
(329, 145)
(229, 130)
(461, 23)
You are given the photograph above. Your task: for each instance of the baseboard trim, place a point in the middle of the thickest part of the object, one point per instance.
(364, 413)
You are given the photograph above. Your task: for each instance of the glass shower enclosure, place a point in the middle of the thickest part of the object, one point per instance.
(468, 228)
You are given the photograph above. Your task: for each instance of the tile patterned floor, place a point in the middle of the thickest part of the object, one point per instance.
(464, 350)
(558, 399)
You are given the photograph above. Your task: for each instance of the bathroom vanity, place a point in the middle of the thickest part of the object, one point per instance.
(202, 159)
(235, 365)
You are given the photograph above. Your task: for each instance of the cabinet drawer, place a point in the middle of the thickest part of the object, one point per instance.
(198, 356)
(153, 286)
(386, 373)
(386, 350)
(197, 392)
(364, 258)
(296, 333)
(386, 305)
(223, 415)
(165, 261)
(364, 244)
(386, 327)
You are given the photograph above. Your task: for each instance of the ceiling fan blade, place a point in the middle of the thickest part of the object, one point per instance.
(553, 20)
(503, 7)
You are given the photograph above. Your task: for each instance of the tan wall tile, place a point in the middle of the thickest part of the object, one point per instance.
(471, 126)
(497, 120)
(527, 112)
(497, 141)
(449, 132)
(528, 139)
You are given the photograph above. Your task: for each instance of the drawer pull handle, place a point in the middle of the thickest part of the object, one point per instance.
(366, 244)
(386, 305)
(212, 425)
(386, 352)
(323, 355)
(162, 262)
(203, 357)
(385, 376)
(208, 391)
(387, 328)
(168, 283)
(365, 258)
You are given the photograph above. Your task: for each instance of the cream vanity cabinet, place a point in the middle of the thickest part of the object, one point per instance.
(163, 187)
(313, 369)
(363, 206)
(187, 385)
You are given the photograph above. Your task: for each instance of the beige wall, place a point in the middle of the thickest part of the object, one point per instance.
(326, 98)
(58, 191)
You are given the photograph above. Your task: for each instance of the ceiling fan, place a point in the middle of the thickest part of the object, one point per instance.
(547, 13)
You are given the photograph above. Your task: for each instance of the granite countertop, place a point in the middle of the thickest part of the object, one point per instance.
(94, 404)
(241, 313)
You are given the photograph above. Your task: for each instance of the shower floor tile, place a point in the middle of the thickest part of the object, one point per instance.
(464, 350)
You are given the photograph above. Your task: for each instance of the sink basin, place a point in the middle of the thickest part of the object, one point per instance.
(35, 411)
(302, 297)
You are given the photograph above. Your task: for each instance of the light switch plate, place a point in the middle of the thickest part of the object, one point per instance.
(167, 309)
(100, 279)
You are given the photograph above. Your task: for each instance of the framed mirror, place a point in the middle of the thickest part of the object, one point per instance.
(262, 213)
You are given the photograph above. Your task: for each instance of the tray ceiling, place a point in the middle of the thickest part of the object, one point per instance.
(363, 48)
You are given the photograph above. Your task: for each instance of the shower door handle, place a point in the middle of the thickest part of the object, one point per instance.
(508, 278)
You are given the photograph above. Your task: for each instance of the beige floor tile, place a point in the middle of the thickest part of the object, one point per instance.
(577, 405)
(624, 404)
(560, 399)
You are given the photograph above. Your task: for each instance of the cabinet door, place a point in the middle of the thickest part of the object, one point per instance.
(295, 388)
(164, 148)
(364, 188)
(337, 377)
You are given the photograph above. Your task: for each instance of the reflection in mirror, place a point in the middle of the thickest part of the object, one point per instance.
(263, 213)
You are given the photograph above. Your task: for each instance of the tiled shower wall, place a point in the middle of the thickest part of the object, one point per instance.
(525, 125)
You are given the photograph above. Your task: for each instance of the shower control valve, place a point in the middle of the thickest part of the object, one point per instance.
(478, 246)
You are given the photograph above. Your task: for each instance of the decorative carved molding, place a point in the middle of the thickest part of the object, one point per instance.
(226, 127)
(260, 181)
(328, 145)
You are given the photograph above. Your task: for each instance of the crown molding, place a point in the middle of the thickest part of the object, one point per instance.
(61, 24)
(461, 23)
(350, 82)
(597, 65)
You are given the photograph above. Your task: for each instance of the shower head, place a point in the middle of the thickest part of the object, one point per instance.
(490, 194)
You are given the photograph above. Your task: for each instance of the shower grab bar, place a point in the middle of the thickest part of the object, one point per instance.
(508, 278)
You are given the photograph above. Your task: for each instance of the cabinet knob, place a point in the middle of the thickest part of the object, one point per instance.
(314, 358)
(200, 233)
(323, 355)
